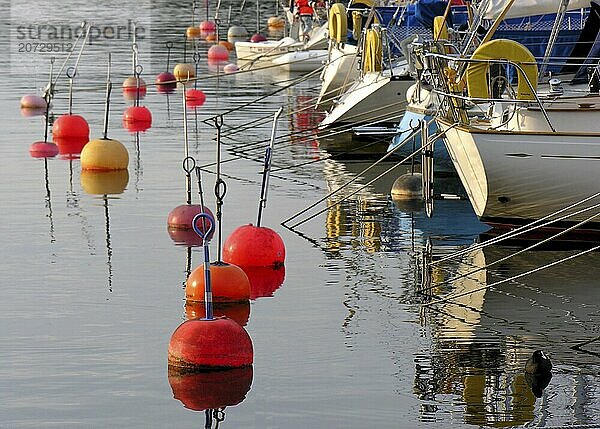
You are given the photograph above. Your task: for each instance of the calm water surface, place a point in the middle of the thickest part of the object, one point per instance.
(93, 286)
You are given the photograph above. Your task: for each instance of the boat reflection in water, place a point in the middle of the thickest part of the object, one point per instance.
(484, 332)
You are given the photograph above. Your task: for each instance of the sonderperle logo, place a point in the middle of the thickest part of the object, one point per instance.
(54, 31)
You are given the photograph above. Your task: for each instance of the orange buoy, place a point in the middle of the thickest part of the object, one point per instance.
(264, 281)
(227, 45)
(211, 390)
(211, 37)
(254, 246)
(229, 283)
(193, 32)
(43, 150)
(200, 344)
(275, 22)
(239, 312)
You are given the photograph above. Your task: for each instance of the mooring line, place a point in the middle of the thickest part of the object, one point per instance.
(521, 230)
(526, 249)
(517, 276)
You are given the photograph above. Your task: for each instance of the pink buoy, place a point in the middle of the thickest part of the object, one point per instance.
(43, 150)
(137, 118)
(31, 101)
(181, 217)
(208, 26)
(253, 246)
(218, 53)
(211, 390)
(256, 38)
(70, 126)
(194, 98)
(230, 68)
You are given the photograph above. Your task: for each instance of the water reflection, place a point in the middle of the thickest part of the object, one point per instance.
(484, 334)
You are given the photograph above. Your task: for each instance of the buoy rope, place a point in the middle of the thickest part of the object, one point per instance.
(536, 224)
(220, 186)
(517, 276)
(526, 249)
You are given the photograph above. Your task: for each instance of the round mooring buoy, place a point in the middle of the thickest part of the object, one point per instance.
(166, 82)
(43, 150)
(218, 53)
(275, 22)
(229, 283)
(194, 98)
(252, 246)
(237, 32)
(193, 32)
(408, 187)
(31, 101)
(257, 38)
(211, 390)
(131, 90)
(70, 126)
(210, 344)
(227, 45)
(104, 155)
(182, 216)
(230, 68)
(137, 118)
(184, 71)
(208, 27)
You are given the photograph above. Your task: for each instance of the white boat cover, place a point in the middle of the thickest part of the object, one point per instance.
(521, 8)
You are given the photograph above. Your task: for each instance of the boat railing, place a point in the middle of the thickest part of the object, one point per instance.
(449, 73)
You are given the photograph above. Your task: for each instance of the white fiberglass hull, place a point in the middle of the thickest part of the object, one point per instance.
(264, 52)
(340, 72)
(527, 175)
(376, 98)
(301, 61)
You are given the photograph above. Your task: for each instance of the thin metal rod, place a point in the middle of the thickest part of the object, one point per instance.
(188, 177)
(262, 203)
(107, 105)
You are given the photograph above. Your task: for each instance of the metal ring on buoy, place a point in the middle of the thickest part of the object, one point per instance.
(477, 81)
(338, 23)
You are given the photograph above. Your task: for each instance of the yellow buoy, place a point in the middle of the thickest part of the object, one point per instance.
(104, 155)
(275, 22)
(184, 71)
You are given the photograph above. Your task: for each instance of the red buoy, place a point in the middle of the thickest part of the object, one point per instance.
(211, 390)
(43, 150)
(71, 126)
(256, 38)
(181, 217)
(194, 98)
(239, 312)
(264, 281)
(218, 53)
(137, 118)
(253, 246)
(229, 283)
(166, 82)
(199, 344)
(70, 147)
